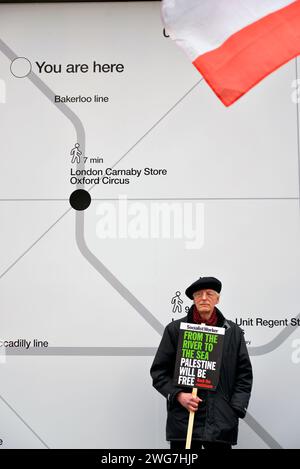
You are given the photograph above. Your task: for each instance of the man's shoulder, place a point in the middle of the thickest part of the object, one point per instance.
(231, 323)
(175, 325)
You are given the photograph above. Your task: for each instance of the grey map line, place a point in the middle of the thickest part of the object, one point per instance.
(74, 119)
(79, 128)
(24, 422)
(274, 343)
(261, 432)
(156, 124)
(33, 200)
(33, 244)
(264, 349)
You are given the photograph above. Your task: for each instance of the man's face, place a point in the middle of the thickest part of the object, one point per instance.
(205, 300)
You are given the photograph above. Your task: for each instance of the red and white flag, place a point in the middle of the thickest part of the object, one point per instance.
(234, 43)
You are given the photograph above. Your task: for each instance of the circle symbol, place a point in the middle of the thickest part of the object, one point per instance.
(80, 199)
(20, 67)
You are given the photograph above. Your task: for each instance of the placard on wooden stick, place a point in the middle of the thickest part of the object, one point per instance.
(198, 361)
(199, 356)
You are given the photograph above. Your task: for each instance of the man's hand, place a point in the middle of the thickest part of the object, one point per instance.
(187, 400)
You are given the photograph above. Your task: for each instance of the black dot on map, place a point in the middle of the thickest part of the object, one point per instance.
(80, 199)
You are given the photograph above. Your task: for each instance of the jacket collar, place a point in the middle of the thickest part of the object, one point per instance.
(222, 321)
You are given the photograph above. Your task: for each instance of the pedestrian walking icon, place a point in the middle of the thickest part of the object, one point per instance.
(76, 154)
(177, 302)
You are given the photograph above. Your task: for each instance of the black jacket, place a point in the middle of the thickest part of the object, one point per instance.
(218, 414)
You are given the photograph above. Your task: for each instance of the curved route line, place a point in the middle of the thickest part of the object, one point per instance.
(298, 123)
(112, 279)
(24, 422)
(261, 432)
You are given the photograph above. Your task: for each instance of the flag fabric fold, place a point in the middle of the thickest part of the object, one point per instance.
(234, 43)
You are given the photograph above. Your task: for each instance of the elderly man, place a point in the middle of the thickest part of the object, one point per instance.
(217, 412)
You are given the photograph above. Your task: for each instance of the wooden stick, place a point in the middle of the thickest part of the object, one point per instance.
(191, 423)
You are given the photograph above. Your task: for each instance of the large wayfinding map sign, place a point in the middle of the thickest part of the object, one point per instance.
(123, 179)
